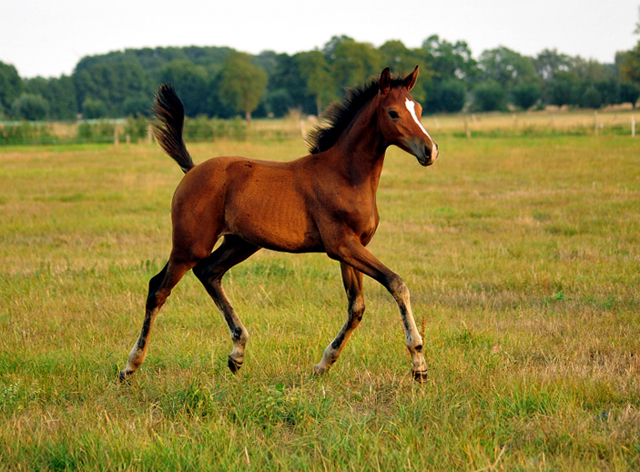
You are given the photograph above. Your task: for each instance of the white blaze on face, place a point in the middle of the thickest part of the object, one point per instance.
(411, 106)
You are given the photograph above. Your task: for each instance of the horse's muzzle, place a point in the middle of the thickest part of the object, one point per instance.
(427, 156)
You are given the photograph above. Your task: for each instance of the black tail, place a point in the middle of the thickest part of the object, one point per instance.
(167, 128)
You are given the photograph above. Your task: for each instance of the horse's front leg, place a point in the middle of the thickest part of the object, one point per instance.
(353, 253)
(352, 280)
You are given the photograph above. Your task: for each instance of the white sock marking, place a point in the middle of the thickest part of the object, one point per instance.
(411, 106)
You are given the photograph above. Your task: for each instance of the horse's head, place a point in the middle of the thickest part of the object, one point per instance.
(399, 118)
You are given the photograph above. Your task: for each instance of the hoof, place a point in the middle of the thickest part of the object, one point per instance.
(125, 376)
(420, 377)
(318, 371)
(234, 366)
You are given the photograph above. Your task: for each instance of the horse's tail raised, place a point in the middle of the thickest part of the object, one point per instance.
(167, 128)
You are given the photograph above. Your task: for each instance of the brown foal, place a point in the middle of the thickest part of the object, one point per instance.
(323, 202)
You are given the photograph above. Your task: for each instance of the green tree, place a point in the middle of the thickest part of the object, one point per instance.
(402, 60)
(190, 82)
(60, 94)
(329, 49)
(10, 85)
(591, 98)
(267, 61)
(30, 107)
(507, 67)
(629, 93)
(549, 62)
(93, 108)
(563, 89)
(630, 65)
(137, 106)
(629, 61)
(279, 102)
(354, 63)
(450, 60)
(490, 96)
(314, 69)
(243, 84)
(214, 104)
(62, 98)
(287, 87)
(452, 64)
(525, 95)
(609, 90)
(112, 84)
(452, 95)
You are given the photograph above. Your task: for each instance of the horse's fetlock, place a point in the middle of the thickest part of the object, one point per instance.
(414, 343)
(239, 335)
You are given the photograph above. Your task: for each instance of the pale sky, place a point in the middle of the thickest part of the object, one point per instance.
(47, 38)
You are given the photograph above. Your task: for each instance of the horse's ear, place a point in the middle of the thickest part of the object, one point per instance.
(385, 81)
(410, 80)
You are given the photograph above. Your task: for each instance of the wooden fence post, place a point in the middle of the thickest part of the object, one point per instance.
(633, 126)
(466, 127)
(595, 123)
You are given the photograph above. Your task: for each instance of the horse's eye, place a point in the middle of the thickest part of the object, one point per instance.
(393, 115)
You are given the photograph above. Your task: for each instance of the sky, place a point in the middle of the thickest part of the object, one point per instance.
(47, 38)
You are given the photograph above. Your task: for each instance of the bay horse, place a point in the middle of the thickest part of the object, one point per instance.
(323, 202)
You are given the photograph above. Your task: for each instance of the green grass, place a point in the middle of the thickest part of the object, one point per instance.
(522, 255)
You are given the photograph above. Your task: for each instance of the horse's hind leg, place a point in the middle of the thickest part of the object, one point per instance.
(352, 280)
(160, 288)
(209, 271)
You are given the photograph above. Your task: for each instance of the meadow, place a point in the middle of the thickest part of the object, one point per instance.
(522, 254)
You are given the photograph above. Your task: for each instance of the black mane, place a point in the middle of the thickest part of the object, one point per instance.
(339, 114)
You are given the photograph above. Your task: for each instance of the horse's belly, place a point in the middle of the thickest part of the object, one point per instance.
(276, 220)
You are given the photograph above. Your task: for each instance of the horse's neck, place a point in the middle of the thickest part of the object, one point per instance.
(361, 149)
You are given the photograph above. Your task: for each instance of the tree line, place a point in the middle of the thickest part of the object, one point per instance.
(222, 82)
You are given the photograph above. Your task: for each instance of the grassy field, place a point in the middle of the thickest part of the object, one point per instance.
(522, 255)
